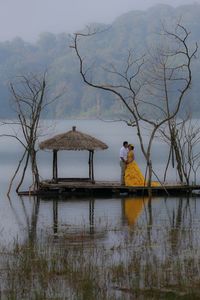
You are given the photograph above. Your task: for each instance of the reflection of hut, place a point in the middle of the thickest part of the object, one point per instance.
(73, 140)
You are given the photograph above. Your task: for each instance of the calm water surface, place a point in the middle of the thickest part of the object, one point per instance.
(106, 219)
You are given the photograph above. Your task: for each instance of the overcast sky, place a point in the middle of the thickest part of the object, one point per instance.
(28, 18)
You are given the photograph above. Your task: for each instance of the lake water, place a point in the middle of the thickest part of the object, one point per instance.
(98, 216)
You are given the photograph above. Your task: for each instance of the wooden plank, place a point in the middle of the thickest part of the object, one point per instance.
(105, 187)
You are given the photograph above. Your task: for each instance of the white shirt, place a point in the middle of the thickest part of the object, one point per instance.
(123, 153)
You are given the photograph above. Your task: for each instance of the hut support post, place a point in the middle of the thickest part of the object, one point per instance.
(89, 162)
(55, 166)
(91, 165)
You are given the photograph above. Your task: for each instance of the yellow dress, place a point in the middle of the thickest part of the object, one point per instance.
(133, 174)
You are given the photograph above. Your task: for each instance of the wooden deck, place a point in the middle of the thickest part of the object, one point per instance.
(107, 188)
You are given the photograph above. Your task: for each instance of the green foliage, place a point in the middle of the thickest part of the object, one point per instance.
(135, 30)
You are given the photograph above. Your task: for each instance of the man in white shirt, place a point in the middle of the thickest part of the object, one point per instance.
(123, 158)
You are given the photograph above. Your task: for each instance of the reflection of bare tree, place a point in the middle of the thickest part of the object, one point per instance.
(30, 221)
(187, 212)
(177, 231)
(34, 220)
(133, 207)
(20, 224)
(150, 219)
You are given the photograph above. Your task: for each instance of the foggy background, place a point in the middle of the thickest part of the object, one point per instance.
(28, 18)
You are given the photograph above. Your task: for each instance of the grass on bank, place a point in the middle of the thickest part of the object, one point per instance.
(83, 267)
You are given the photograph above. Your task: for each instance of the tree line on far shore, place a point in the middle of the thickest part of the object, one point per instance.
(135, 30)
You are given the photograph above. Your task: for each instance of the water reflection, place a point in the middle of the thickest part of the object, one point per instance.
(138, 241)
(26, 219)
(171, 221)
(133, 208)
(179, 232)
(56, 216)
(32, 226)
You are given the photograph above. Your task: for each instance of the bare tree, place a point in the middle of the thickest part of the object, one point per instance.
(164, 75)
(185, 143)
(29, 100)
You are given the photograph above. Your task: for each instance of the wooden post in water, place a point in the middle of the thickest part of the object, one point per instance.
(55, 166)
(55, 216)
(92, 166)
(89, 162)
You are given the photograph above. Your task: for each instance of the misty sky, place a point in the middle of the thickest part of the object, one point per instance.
(28, 18)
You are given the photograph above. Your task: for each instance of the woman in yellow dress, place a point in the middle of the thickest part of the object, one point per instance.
(133, 174)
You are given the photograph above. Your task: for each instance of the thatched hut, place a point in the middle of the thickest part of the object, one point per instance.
(73, 140)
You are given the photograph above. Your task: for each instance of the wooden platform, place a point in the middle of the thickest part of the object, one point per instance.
(107, 188)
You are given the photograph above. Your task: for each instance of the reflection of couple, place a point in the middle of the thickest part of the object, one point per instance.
(131, 174)
(133, 208)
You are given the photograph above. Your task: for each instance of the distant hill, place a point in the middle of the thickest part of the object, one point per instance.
(133, 30)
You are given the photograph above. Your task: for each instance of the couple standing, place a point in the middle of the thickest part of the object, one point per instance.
(130, 171)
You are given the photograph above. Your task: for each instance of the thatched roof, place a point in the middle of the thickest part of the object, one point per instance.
(73, 140)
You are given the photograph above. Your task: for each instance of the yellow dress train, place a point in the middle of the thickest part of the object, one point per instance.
(133, 174)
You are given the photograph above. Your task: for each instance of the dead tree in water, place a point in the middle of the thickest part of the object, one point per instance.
(184, 144)
(140, 80)
(29, 100)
